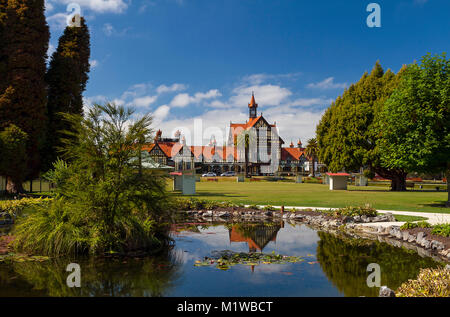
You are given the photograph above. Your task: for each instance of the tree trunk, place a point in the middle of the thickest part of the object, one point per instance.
(398, 183)
(13, 187)
(397, 177)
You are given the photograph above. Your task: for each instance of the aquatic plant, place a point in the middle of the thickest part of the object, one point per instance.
(223, 260)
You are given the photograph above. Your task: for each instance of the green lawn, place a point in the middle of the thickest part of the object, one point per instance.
(318, 195)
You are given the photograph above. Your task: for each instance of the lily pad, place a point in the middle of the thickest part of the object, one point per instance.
(225, 259)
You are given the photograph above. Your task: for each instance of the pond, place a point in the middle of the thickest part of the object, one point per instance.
(330, 265)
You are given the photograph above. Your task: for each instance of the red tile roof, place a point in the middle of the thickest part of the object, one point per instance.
(338, 174)
(294, 153)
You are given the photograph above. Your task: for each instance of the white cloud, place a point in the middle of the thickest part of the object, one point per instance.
(51, 50)
(182, 100)
(100, 6)
(160, 114)
(144, 101)
(145, 5)
(267, 95)
(327, 83)
(57, 21)
(48, 6)
(172, 88)
(93, 63)
(258, 79)
(307, 102)
(296, 118)
(108, 29)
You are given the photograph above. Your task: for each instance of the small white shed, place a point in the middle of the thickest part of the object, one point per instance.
(184, 182)
(338, 181)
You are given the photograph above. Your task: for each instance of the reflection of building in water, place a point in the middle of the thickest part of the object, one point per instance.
(257, 236)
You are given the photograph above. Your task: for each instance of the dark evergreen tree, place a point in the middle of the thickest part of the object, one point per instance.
(66, 78)
(24, 34)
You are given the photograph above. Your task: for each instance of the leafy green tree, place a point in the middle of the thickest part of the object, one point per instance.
(103, 203)
(312, 150)
(24, 38)
(415, 123)
(66, 77)
(348, 131)
(13, 162)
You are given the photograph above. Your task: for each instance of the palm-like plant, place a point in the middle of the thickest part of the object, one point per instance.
(311, 151)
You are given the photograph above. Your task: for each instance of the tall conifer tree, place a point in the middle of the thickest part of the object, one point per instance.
(66, 78)
(24, 34)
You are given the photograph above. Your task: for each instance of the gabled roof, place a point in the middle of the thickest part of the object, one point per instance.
(292, 153)
(169, 149)
(237, 128)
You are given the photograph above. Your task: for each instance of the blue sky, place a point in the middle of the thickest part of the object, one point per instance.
(200, 59)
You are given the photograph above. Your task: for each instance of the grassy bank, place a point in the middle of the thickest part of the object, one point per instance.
(317, 195)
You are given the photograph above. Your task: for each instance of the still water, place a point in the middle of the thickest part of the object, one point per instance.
(333, 266)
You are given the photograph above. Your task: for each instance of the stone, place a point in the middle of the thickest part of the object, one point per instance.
(390, 217)
(223, 214)
(412, 238)
(386, 292)
(437, 245)
(447, 267)
(405, 235)
(420, 236)
(207, 213)
(426, 243)
(357, 218)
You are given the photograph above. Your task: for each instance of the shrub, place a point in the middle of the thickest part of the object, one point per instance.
(312, 180)
(429, 283)
(441, 230)
(269, 208)
(355, 211)
(17, 206)
(408, 225)
(106, 201)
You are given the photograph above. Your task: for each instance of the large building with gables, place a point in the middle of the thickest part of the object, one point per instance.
(255, 143)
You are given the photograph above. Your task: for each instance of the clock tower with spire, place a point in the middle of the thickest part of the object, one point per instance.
(252, 108)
